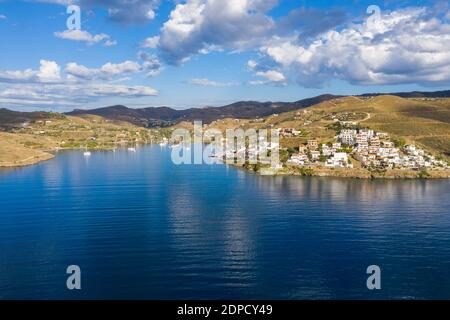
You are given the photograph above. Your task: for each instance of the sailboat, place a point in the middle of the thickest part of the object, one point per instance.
(86, 152)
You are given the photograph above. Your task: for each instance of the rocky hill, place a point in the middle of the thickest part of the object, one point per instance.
(164, 116)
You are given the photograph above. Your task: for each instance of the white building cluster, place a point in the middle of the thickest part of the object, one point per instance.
(288, 132)
(313, 154)
(372, 149)
(257, 152)
(375, 150)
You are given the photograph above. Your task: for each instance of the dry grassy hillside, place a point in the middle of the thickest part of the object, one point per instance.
(36, 140)
(425, 122)
(15, 153)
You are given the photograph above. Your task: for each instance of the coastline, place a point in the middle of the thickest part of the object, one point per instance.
(42, 156)
(46, 155)
(357, 173)
(354, 173)
(389, 175)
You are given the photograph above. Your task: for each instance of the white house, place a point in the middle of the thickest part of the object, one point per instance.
(347, 136)
(339, 159)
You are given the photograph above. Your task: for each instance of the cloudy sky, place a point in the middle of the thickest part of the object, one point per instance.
(211, 52)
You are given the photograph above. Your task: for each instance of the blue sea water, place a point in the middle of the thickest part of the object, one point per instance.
(141, 227)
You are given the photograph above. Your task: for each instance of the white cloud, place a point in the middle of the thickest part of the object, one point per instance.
(49, 71)
(46, 86)
(210, 83)
(112, 69)
(16, 76)
(75, 70)
(286, 52)
(252, 64)
(404, 46)
(198, 26)
(82, 35)
(153, 73)
(104, 90)
(151, 64)
(3, 17)
(105, 72)
(151, 42)
(69, 94)
(272, 75)
(110, 43)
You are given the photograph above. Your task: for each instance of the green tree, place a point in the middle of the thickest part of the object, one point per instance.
(399, 142)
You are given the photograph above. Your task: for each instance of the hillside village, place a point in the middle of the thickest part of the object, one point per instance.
(374, 150)
(351, 148)
(345, 137)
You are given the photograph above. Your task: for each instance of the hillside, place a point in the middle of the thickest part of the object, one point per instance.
(13, 119)
(38, 140)
(423, 122)
(413, 94)
(164, 116)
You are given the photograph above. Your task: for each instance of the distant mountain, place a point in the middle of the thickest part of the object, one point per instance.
(414, 94)
(14, 119)
(164, 116)
(148, 117)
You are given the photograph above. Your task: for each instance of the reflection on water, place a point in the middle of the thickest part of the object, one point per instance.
(141, 227)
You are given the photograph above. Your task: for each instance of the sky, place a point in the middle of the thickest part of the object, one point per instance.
(196, 53)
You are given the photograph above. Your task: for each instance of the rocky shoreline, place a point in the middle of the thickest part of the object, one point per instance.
(356, 173)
